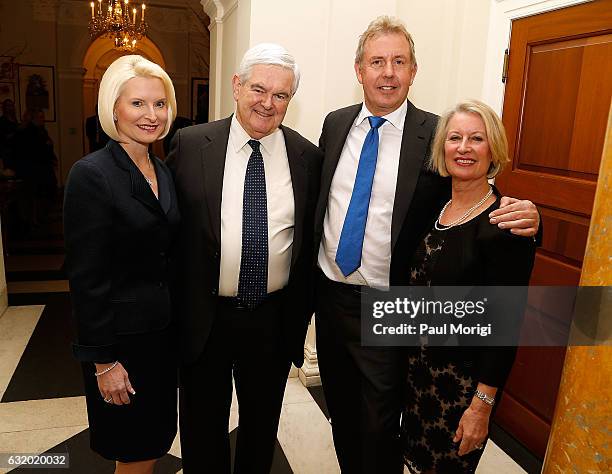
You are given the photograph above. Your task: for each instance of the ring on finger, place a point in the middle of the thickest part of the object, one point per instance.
(109, 400)
(478, 446)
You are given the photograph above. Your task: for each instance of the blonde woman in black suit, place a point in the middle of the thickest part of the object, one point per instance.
(120, 219)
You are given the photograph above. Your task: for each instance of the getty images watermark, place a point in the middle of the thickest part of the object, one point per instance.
(421, 309)
(481, 316)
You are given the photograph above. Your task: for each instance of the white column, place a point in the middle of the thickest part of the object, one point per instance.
(230, 30)
(309, 372)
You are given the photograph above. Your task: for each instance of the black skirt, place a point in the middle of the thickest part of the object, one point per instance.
(146, 428)
(438, 391)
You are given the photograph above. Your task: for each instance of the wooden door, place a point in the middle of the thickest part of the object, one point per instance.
(555, 112)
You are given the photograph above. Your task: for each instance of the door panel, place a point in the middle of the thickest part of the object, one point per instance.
(555, 113)
(582, 70)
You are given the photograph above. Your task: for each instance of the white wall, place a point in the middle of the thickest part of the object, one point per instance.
(303, 31)
(347, 21)
(450, 37)
(321, 34)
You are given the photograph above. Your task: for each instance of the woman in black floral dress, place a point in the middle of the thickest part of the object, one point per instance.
(451, 391)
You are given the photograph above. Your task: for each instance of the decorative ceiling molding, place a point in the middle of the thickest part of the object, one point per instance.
(218, 10)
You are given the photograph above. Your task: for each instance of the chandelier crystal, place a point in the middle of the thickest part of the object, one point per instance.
(115, 21)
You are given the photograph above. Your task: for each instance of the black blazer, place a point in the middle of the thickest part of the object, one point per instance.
(197, 161)
(118, 237)
(479, 253)
(419, 192)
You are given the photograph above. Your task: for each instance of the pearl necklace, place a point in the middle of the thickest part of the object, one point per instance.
(464, 216)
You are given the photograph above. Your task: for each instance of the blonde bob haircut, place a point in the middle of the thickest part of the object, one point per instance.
(384, 25)
(494, 128)
(118, 73)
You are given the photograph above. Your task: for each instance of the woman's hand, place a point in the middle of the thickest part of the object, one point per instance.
(474, 423)
(114, 385)
(473, 428)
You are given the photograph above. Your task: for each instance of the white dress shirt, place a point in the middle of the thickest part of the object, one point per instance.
(281, 209)
(376, 252)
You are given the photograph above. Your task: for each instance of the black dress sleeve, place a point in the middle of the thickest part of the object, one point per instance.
(88, 236)
(508, 261)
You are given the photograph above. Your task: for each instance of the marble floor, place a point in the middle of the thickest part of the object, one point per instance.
(42, 407)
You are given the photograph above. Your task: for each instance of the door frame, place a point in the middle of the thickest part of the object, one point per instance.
(501, 15)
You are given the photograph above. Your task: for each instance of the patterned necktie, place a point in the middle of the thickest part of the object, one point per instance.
(348, 255)
(253, 279)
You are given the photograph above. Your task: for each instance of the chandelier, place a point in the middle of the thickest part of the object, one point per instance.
(117, 23)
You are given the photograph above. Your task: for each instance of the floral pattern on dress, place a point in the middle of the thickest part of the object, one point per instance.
(437, 392)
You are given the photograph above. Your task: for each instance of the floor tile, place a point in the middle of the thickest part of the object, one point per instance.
(83, 460)
(47, 368)
(305, 436)
(495, 461)
(36, 441)
(40, 414)
(16, 327)
(295, 392)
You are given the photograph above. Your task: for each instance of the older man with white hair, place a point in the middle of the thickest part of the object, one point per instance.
(247, 188)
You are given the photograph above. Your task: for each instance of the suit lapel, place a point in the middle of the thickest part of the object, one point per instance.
(299, 182)
(334, 143)
(413, 150)
(213, 153)
(141, 190)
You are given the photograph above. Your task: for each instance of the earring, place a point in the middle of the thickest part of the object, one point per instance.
(114, 118)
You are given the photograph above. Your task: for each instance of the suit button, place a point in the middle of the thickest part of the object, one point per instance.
(161, 284)
(216, 254)
(213, 291)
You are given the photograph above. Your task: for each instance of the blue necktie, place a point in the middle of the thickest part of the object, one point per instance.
(253, 279)
(348, 255)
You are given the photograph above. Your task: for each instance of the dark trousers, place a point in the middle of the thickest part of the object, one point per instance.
(363, 386)
(206, 392)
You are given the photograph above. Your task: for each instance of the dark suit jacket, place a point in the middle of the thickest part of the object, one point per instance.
(118, 237)
(197, 161)
(419, 192)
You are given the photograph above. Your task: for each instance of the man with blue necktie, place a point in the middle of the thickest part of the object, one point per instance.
(377, 197)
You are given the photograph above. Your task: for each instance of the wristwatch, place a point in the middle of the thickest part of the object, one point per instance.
(484, 397)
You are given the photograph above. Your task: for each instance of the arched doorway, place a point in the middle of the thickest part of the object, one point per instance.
(100, 54)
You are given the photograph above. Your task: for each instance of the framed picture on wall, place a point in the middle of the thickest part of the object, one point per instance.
(199, 99)
(7, 68)
(37, 89)
(7, 91)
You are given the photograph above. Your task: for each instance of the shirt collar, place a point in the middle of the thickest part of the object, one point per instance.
(240, 138)
(395, 118)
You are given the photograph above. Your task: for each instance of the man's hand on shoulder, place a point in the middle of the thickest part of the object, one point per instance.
(520, 217)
